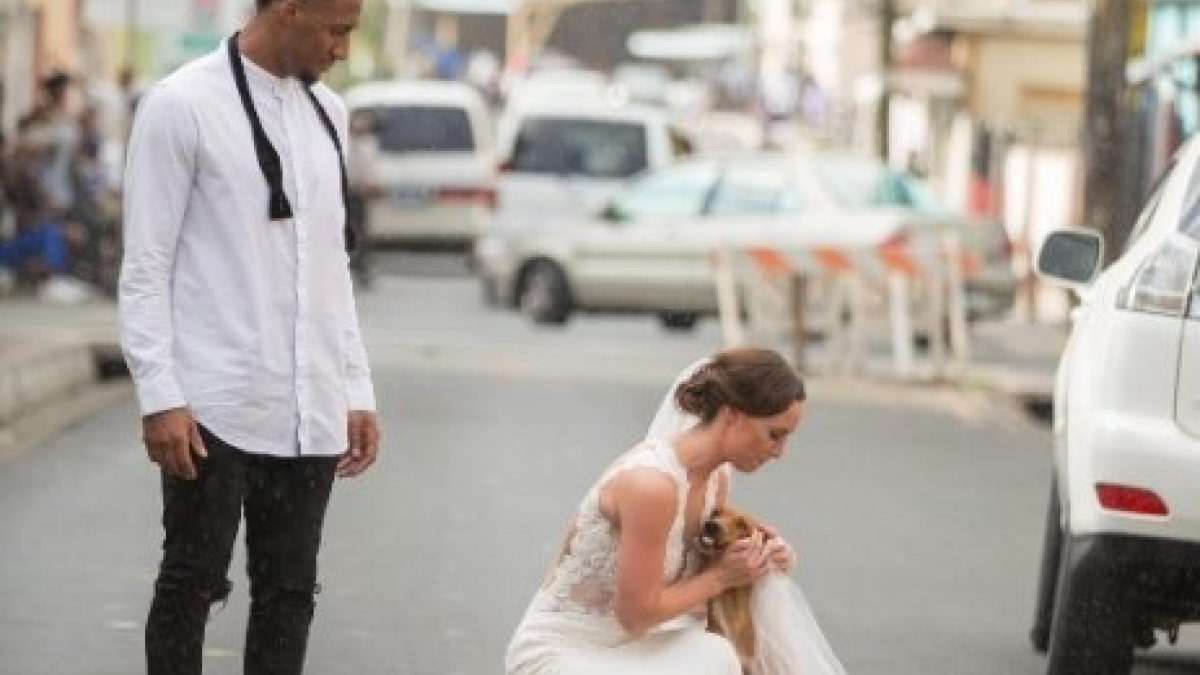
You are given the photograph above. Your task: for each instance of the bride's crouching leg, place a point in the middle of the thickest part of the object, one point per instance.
(683, 651)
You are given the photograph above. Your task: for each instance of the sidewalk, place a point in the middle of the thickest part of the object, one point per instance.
(51, 375)
(57, 363)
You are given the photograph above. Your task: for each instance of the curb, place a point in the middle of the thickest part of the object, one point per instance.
(47, 386)
(35, 428)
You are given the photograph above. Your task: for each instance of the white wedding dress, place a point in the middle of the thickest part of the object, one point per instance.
(570, 627)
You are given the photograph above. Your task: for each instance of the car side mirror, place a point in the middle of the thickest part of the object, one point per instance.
(1071, 257)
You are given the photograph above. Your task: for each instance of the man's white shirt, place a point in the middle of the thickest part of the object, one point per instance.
(248, 322)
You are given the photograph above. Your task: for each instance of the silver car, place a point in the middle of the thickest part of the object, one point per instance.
(651, 248)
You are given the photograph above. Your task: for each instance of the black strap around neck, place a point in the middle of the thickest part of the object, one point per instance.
(279, 207)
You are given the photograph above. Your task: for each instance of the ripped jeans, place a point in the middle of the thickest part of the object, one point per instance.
(284, 501)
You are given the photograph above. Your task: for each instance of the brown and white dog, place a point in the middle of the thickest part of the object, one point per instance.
(729, 613)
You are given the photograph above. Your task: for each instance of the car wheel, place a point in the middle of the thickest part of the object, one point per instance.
(1092, 631)
(1052, 542)
(678, 321)
(543, 294)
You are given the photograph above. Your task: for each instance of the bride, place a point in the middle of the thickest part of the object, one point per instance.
(626, 595)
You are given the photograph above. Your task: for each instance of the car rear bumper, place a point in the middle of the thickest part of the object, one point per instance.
(1161, 576)
(1139, 451)
(438, 223)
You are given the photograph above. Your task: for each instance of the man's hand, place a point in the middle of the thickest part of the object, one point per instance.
(171, 438)
(363, 434)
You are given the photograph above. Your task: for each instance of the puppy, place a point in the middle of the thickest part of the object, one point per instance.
(729, 612)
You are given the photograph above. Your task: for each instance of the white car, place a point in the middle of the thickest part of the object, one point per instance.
(436, 164)
(562, 159)
(1121, 557)
(650, 249)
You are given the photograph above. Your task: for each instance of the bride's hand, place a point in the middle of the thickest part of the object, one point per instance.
(778, 550)
(780, 554)
(745, 561)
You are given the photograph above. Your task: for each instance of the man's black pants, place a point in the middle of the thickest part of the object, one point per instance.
(284, 502)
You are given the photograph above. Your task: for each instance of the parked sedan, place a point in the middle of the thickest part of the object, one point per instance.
(651, 248)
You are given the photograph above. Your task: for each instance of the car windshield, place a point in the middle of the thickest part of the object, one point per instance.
(681, 191)
(402, 129)
(859, 184)
(580, 147)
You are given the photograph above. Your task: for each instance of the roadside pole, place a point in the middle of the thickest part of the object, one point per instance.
(1104, 137)
(887, 23)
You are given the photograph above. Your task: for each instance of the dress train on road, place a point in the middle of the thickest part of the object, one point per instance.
(788, 639)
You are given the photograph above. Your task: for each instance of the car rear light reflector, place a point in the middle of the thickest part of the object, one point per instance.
(481, 195)
(1130, 499)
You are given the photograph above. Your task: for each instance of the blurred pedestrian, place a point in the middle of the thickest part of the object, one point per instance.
(239, 326)
(36, 250)
(362, 157)
(93, 213)
(58, 181)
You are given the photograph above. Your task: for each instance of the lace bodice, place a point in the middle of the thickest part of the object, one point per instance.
(584, 579)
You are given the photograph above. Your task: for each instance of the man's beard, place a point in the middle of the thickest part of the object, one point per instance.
(307, 79)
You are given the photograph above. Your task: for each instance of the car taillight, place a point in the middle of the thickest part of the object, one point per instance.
(480, 195)
(1164, 280)
(1130, 499)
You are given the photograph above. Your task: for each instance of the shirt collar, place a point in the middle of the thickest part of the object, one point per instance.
(261, 77)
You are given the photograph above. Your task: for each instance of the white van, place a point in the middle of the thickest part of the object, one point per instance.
(436, 165)
(562, 160)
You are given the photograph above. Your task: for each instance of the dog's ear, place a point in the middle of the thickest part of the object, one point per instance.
(744, 527)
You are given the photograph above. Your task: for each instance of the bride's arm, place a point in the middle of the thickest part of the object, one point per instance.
(643, 503)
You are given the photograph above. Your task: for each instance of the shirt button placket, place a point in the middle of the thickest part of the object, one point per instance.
(294, 131)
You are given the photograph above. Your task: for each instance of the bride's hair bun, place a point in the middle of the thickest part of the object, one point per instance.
(758, 382)
(702, 394)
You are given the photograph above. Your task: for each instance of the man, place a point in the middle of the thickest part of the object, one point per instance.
(239, 326)
(58, 178)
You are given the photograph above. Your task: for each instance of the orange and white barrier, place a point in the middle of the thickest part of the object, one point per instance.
(921, 289)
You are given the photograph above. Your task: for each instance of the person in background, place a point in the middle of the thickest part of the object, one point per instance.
(361, 158)
(34, 247)
(62, 127)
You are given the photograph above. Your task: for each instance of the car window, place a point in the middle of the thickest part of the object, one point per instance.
(680, 191)
(403, 129)
(850, 183)
(863, 183)
(579, 147)
(750, 191)
(898, 189)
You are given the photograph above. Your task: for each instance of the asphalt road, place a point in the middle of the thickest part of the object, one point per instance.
(917, 511)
